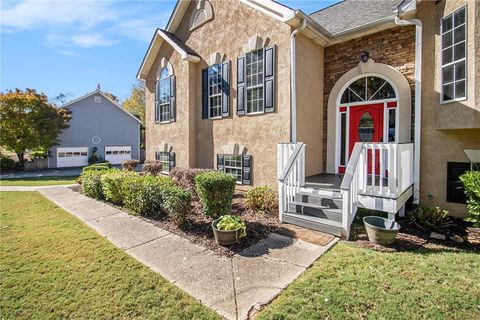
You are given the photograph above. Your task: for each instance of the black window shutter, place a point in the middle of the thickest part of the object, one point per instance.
(226, 88)
(172, 160)
(241, 94)
(173, 105)
(269, 78)
(157, 94)
(247, 170)
(455, 191)
(205, 93)
(157, 155)
(220, 165)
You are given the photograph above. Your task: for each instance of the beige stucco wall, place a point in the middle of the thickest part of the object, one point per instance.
(450, 128)
(196, 141)
(309, 69)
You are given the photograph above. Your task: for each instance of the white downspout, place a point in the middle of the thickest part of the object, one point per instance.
(293, 76)
(418, 102)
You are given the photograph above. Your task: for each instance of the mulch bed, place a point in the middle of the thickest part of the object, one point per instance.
(414, 236)
(198, 228)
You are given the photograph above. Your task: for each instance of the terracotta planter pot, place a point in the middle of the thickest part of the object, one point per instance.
(380, 230)
(225, 238)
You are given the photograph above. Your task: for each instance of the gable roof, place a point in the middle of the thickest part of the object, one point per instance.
(176, 43)
(351, 14)
(98, 91)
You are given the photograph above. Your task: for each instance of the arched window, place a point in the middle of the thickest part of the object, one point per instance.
(369, 88)
(163, 96)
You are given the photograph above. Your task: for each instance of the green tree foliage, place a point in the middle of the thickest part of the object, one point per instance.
(29, 122)
(135, 103)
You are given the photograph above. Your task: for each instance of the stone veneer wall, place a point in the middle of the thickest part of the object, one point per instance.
(394, 47)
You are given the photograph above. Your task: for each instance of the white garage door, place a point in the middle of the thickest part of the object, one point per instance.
(72, 157)
(116, 154)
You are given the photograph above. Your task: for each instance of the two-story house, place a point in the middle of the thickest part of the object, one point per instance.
(361, 104)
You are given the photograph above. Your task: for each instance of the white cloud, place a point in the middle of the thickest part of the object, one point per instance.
(82, 24)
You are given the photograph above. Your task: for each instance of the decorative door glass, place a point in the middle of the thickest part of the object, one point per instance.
(366, 128)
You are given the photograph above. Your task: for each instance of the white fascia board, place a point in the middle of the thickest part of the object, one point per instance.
(177, 15)
(272, 9)
(183, 53)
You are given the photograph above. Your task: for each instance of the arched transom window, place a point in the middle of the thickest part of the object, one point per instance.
(369, 88)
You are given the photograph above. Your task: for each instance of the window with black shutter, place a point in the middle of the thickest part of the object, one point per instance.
(237, 165)
(216, 91)
(167, 159)
(455, 191)
(256, 81)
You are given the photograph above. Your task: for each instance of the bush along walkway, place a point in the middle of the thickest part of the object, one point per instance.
(236, 287)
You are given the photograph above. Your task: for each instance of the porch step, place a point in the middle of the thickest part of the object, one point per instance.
(314, 223)
(327, 201)
(327, 193)
(315, 210)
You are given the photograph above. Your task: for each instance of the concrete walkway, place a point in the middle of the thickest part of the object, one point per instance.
(235, 287)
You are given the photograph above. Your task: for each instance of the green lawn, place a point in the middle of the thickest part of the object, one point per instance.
(350, 282)
(53, 266)
(38, 181)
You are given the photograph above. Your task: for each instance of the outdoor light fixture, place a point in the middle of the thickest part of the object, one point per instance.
(364, 56)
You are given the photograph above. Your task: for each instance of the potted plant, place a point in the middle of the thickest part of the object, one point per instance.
(380, 230)
(228, 230)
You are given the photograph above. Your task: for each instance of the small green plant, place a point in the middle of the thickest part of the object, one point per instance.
(144, 194)
(430, 217)
(262, 199)
(6, 163)
(92, 183)
(102, 164)
(177, 203)
(112, 185)
(93, 159)
(471, 184)
(230, 223)
(215, 191)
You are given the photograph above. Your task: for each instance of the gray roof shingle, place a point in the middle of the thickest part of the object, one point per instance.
(180, 43)
(349, 14)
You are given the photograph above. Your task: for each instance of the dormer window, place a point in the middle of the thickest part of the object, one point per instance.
(165, 97)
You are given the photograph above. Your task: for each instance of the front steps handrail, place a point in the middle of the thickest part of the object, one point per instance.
(291, 173)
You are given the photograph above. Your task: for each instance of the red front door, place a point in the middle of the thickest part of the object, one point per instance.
(366, 125)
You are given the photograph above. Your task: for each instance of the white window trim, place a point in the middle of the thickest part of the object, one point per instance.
(257, 86)
(215, 95)
(163, 161)
(157, 102)
(232, 167)
(454, 61)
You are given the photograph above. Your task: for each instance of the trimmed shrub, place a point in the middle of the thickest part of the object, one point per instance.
(102, 164)
(94, 168)
(129, 165)
(92, 183)
(430, 217)
(143, 194)
(152, 167)
(215, 190)
(262, 199)
(185, 178)
(112, 185)
(6, 163)
(177, 204)
(471, 184)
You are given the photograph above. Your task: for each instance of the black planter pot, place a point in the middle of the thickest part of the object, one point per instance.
(225, 238)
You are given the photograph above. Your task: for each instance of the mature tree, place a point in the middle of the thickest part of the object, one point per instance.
(29, 122)
(135, 103)
(112, 96)
(61, 98)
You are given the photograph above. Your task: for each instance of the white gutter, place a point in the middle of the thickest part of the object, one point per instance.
(418, 102)
(293, 76)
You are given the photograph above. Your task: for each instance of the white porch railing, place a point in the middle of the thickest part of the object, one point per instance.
(291, 173)
(375, 169)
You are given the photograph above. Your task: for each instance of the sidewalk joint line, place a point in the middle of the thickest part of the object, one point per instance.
(234, 288)
(108, 215)
(141, 244)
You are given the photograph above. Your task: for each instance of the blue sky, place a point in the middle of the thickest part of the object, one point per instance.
(71, 46)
